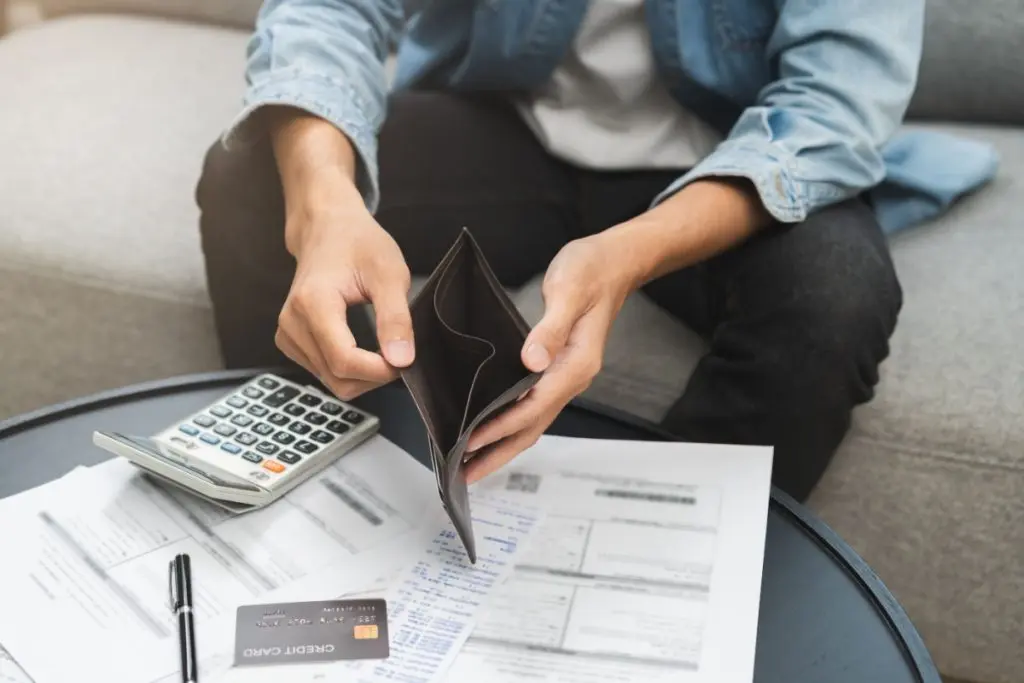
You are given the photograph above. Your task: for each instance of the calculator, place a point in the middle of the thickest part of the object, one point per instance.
(251, 446)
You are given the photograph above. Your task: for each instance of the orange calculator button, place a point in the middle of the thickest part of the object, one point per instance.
(365, 632)
(273, 466)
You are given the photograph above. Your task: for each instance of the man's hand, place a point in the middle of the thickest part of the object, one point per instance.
(584, 289)
(586, 286)
(343, 257)
(347, 260)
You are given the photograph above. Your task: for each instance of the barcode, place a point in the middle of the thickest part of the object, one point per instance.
(520, 481)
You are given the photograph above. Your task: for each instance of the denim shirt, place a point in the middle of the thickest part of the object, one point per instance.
(808, 94)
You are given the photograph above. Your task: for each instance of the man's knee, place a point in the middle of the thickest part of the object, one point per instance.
(241, 204)
(845, 299)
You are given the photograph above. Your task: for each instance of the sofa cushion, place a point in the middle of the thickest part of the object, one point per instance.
(102, 134)
(236, 13)
(971, 64)
(103, 128)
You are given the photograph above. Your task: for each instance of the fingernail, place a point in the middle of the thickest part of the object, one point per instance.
(399, 352)
(537, 356)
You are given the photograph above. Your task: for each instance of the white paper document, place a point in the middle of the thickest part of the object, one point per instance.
(88, 557)
(10, 672)
(647, 568)
(432, 600)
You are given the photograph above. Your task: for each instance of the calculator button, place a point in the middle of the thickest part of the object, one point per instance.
(246, 439)
(280, 397)
(300, 427)
(263, 429)
(331, 408)
(305, 447)
(204, 421)
(231, 448)
(252, 457)
(337, 426)
(237, 402)
(294, 409)
(310, 400)
(284, 437)
(252, 392)
(289, 457)
(273, 466)
(353, 417)
(241, 420)
(220, 411)
(225, 430)
(190, 430)
(267, 448)
(316, 418)
(268, 383)
(322, 436)
(258, 411)
(210, 439)
(279, 419)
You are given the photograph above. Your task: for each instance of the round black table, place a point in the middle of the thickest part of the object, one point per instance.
(824, 618)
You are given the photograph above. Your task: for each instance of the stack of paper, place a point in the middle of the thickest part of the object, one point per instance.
(597, 561)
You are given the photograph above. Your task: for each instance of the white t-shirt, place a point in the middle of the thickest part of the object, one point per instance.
(606, 107)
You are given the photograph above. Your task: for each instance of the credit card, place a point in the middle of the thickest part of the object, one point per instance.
(321, 631)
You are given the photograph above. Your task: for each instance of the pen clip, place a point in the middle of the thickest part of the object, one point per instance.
(172, 593)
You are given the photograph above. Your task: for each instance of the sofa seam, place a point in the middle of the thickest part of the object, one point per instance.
(943, 454)
(99, 284)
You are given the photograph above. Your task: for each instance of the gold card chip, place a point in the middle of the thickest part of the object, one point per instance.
(365, 632)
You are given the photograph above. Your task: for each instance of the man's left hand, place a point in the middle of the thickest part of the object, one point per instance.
(584, 289)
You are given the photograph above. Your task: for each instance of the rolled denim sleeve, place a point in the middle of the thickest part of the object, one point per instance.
(845, 75)
(325, 57)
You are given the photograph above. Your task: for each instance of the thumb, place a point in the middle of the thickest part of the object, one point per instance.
(549, 336)
(394, 324)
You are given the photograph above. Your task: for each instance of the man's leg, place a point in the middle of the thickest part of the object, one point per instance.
(446, 162)
(799, 321)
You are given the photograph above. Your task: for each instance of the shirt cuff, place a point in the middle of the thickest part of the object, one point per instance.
(332, 101)
(769, 168)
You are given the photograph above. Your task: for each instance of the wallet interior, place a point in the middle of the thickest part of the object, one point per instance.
(469, 337)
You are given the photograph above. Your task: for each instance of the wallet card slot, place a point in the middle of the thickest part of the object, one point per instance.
(476, 310)
(441, 296)
(447, 362)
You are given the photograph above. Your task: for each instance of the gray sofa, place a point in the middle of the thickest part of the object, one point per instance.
(107, 107)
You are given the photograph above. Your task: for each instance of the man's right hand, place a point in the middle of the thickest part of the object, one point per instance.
(343, 258)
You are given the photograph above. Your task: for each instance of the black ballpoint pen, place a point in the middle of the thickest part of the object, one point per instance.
(181, 604)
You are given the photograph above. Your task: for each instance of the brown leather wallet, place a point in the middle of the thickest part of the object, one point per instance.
(468, 368)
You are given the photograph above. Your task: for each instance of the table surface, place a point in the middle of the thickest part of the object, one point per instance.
(824, 615)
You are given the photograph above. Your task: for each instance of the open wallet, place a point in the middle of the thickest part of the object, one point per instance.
(468, 368)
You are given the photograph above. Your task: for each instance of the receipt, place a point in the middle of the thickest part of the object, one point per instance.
(433, 600)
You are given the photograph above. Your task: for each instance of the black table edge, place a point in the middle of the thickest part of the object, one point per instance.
(870, 583)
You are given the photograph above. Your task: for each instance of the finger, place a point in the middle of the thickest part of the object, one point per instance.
(297, 343)
(562, 309)
(291, 349)
(346, 390)
(394, 323)
(502, 454)
(515, 419)
(323, 311)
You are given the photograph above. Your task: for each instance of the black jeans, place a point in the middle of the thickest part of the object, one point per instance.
(798, 319)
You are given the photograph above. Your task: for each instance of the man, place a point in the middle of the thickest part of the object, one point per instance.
(714, 153)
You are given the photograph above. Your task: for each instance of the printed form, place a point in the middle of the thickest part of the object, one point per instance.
(433, 596)
(647, 568)
(10, 672)
(92, 552)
